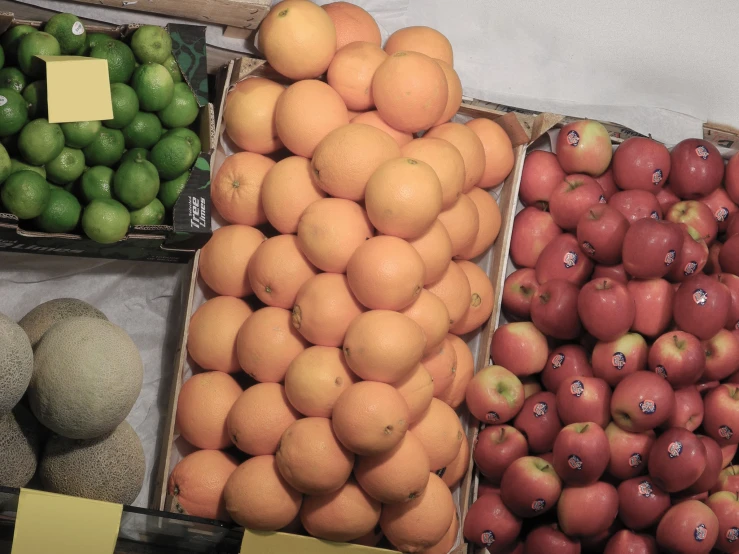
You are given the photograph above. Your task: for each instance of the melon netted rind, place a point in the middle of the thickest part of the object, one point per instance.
(39, 320)
(109, 468)
(20, 445)
(16, 363)
(87, 376)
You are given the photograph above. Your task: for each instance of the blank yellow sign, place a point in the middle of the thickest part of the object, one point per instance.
(259, 542)
(53, 523)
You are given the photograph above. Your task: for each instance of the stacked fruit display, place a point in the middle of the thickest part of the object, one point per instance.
(125, 171)
(611, 409)
(352, 345)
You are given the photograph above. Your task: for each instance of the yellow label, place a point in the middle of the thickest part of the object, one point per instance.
(78, 89)
(260, 542)
(58, 524)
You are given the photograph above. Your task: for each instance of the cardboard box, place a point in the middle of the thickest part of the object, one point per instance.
(191, 226)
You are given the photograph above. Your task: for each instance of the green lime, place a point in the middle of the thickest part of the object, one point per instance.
(153, 86)
(66, 167)
(170, 64)
(12, 78)
(106, 149)
(182, 110)
(17, 165)
(125, 106)
(40, 141)
(106, 221)
(151, 44)
(135, 154)
(169, 191)
(143, 132)
(151, 214)
(80, 134)
(69, 31)
(35, 95)
(13, 112)
(136, 183)
(2, 57)
(61, 214)
(5, 165)
(25, 194)
(95, 39)
(190, 136)
(172, 156)
(36, 44)
(11, 39)
(97, 183)
(120, 59)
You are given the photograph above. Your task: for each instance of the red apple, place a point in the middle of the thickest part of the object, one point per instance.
(688, 412)
(666, 199)
(733, 226)
(641, 163)
(642, 401)
(677, 460)
(539, 422)
(581, 453)
(678, 357)
(548, 538)
(614, 360)
(722, 355)
(606, 309)
(532, 231)
(636, 204)
(641, 503)
(607, 183)
(679, 497)
(562, 258)
(584, 147)
(721, 414)
(489, 523)
(518, 292)
(629, 451)
(721, 207)
(710, 474)
(541, 173)
(486, 487)
(584, 399)
(727, 453)
(728, 480)
(650, 248)
(520, 348)
(732, 178)
(728, 256)
(554, 309)
(653, 301)
(572, 198)
(627, 542)
(701, 306)
(497, 446)
(568, 360)
(692, 258)
(615, 272)
(712, 265)
(697, 168)
(732, 283)
(726, 507)
(530, 487)
(588, 510)
(494, 395)
(697, 215)
(689, 527)
(601, 232)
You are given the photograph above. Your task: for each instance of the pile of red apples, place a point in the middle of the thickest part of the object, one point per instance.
(611, 411)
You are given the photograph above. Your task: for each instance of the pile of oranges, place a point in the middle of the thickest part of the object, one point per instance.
(347, 319)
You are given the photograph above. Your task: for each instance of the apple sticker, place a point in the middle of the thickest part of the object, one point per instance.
(700, 533)
(700, 297)
(492, 416)
(670, 257)
(573, 139)
(674, 449)
(647, 407)
(645, 489)
(538, 505)
(570, 259)
(657, 177)
(487, 538)
(702, 152)
(725, 432)
(732, 534)
(635, 460)
(577, 388)
(618, 360)
(574, 462)
(557, 360)
(540, 408)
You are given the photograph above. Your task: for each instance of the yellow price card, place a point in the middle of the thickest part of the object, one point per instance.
(259, 542)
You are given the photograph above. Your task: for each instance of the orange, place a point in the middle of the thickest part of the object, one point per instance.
(454, 96)
(454, 395)
(421, 39)
(224, 259)
(489, 218)
(287, 190)
(202, 409)
(267, 343)
(457, 469)
(441, 364)
(396, 476)
(258, 498)
(311, 459)
(249, 115)
(370, 418)
(382, 345)
(298, 39)
(454, 290)
(433, 317)
(448, 541)
(351, 71)
(373, 118)
(418, 389)
(330, 230)
(498, 151)
(306, 112)
(352, 24)
(421, 522)
(348, 156)
(435, 249)
(410, 91)
(469, 145)
(197, 482)
(278, 269)
(386, 273)
(237, 187)
(440, 432)
(403, 198)
(214, 327)
(259, 417)
(315, 380)
(481, 300)
(445, 160)
(324, 308)
(462, 222)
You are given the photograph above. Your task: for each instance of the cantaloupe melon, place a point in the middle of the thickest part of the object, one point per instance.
(36, 322)
(87, 376)
(109, 468)
(16, 363)
(20, 444)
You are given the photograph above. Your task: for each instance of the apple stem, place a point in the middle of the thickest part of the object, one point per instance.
(592, 214)
(677, 341)
(546, 466)
(501, 437)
